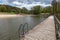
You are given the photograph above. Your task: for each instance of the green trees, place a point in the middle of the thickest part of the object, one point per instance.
(58, 7)
(35, 10)
(7, 8)
(47, 9)
(24, 10)
(3, 8)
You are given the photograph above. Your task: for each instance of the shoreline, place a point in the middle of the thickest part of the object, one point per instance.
(14, 15)
(9, 15)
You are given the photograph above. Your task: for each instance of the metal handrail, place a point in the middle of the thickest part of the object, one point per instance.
(57, 27)
(21, 30)
(26, 24)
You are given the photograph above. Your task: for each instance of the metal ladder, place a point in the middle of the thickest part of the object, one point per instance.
(23, 29)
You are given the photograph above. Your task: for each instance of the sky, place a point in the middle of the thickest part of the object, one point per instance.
(26, 3)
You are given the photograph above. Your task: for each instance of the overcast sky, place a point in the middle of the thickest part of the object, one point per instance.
(26, 3)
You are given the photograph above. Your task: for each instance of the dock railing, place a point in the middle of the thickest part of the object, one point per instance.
(57, 28)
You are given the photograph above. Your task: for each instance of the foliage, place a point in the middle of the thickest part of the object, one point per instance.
(58, 7)
(35, 10)
(24, 10)
(7, 8)
(47, 9)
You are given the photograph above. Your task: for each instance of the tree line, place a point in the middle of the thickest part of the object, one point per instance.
(34, 10)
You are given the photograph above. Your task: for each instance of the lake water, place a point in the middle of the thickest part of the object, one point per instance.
(9, 26)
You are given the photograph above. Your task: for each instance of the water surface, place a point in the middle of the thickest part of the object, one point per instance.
(9, 26)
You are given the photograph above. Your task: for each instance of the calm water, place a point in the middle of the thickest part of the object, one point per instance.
(9, 26)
